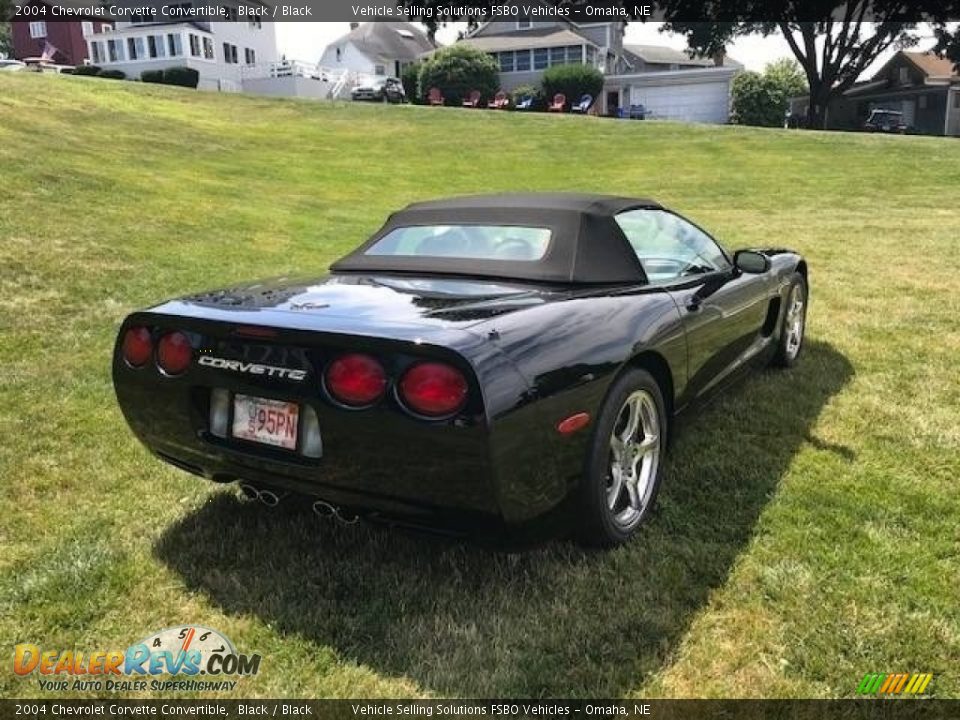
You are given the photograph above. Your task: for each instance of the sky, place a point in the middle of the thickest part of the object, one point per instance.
(306, 41)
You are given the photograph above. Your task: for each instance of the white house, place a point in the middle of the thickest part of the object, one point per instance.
(219, 51)
(668, 83)
(377, 48)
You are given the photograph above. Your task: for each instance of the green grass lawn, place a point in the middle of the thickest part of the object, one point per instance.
(808, 528)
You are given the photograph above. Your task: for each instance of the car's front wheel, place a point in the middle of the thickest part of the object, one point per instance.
(624, 465)
(794, 327)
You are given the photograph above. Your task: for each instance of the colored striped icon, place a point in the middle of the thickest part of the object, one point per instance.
(894, 684)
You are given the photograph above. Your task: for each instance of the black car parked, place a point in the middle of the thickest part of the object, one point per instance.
(886, 121)
(381, 90)
(481, 362)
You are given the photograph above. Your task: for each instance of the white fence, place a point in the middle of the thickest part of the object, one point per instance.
(337, 82)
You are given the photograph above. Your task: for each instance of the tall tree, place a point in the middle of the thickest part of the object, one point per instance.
(832, 53)
(948, 42)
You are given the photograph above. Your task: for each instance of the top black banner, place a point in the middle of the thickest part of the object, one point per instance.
(438, 12)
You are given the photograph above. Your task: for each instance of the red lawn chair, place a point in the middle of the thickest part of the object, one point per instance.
(500, 101)
(473, 100)
(435, 97)
(559, 100)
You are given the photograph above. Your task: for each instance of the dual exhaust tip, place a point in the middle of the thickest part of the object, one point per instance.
(321, 508)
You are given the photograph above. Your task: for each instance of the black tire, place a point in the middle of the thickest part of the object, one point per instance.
(597, 524)
(788, 348)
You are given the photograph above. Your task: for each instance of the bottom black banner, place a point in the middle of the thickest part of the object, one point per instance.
(929, 709)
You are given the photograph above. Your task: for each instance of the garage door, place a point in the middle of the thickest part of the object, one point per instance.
(706, 102)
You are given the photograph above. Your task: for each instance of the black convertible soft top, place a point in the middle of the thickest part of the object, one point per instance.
(587, 245)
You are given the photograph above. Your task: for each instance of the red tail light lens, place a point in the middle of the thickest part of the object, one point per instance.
(356, 380)
(174, 353)
(433, 389)
(137, 346)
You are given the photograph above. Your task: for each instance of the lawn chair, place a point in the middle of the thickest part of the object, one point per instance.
(473, 100)
(435, 97)
(559, 101)
(500, 101)
(584, 105)
(526, 103)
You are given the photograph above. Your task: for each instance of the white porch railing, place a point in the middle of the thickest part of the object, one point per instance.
(340, 80)
(284, 68)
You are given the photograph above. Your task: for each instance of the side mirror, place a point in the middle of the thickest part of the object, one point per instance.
(750, 261)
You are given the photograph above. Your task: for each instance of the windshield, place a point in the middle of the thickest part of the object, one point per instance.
(475, 242)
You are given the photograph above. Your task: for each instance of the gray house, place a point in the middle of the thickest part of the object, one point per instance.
(924, 87)
(377, 48)
(668, 83)
(524, 49)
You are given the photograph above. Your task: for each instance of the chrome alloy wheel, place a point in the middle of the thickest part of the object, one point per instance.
(795, 321)
(634, 458)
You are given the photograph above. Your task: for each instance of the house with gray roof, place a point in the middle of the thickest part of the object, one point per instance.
(669, 83)
(922, 86)
(377, 48)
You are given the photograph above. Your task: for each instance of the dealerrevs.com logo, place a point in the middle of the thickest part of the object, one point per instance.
(197, 658)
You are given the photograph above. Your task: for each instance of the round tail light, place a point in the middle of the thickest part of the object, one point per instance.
(356, 380)
(137, 346)
(174, 353)
(433, 389)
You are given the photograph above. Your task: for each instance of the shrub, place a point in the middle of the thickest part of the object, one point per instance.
(574, 81)
(763, 99)
(182, 76)
(151, 76)
(86, 70)
(522, 91)
(112, 74)
(409, 78)
(457, 70)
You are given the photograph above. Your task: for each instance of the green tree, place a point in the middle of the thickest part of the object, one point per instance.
(573, 81)
(409, 77)
(458, 70)
(6, 40)
(762, 99)
(832, 41)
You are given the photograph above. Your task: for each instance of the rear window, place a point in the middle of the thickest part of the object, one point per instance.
(472, 242)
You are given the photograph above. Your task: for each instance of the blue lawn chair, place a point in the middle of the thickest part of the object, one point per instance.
(525, 103)
(581, 107)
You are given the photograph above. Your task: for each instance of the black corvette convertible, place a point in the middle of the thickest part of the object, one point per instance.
(481, 363)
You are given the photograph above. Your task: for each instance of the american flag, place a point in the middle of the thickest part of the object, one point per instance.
(49, 50)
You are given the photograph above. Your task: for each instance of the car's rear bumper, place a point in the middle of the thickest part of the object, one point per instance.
(379, 459)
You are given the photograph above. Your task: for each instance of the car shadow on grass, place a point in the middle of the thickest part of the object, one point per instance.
(462, 620)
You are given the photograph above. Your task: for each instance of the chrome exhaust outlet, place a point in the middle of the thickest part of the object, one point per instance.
(270, 498)
(323, 509)
(267, 497)
(347, 517)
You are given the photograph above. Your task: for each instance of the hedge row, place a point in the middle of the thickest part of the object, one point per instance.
(95, 71)
(181, 76)
(459, 69)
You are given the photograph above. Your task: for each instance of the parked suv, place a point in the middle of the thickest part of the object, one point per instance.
(888, 121)
(386, 89)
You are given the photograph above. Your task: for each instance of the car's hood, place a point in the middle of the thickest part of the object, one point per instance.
(366, 300)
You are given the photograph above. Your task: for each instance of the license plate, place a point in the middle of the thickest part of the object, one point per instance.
(270, 422)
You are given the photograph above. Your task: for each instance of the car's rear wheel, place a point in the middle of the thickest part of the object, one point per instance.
(794, 325)
(624, 466)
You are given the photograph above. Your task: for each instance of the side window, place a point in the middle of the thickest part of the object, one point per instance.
(668, 246)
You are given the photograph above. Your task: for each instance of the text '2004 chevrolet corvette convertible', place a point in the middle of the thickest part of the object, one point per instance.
(481, 363)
